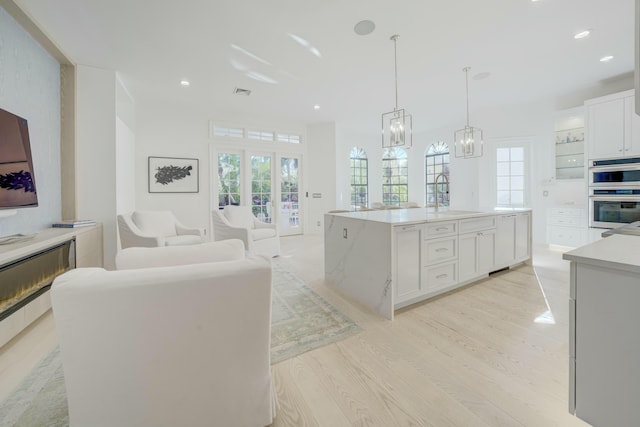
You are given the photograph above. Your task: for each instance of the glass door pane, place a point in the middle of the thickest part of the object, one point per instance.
(228, 179)
(289, 213)
(261, 187)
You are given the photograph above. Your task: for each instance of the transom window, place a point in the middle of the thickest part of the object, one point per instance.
(395, 176)
(436, 163)
(510, 174)
(359, 178)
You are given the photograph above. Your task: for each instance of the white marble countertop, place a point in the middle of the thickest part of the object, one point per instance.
(419, 215)
(618, 251)
(41, 240)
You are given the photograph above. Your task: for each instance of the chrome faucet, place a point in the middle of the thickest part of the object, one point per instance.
(446, 180)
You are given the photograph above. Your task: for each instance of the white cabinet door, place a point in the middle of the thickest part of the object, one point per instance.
(467, 256)
(522, 236)
(505, 240)
(486, 251)
(606, 129)
(632, 128)
(407, 262)
(476, 256)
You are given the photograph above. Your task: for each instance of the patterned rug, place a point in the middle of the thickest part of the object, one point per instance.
(301, 320)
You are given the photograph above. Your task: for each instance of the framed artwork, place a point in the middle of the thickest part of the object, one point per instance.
(173, 175)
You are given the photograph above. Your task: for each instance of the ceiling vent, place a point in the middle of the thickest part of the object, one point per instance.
(240, 91)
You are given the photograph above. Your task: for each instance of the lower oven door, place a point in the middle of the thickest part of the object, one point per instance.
(613, 211)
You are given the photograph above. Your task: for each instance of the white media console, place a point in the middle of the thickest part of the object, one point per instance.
(88, 253)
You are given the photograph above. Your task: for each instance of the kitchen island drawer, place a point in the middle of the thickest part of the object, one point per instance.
(439, 250)
(440, 229)
(440, 276)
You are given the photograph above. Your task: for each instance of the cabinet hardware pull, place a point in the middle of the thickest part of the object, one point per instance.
(442, 250)
(441, 276)
(441, 228)
(620, 150)
(409, 227)
(480, 233)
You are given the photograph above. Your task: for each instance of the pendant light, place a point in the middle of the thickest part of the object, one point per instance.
(468, 141)
(397, 125)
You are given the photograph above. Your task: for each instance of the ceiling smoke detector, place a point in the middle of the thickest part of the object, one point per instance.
(240, 91)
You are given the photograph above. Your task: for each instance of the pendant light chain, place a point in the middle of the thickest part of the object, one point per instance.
(397, 125)
(466, 74)
(395, 61)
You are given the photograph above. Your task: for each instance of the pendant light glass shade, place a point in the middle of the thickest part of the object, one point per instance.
(397, 125)
(468, 142)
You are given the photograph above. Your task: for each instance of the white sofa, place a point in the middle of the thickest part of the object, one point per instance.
(238, 222)
(180, 345)
(155, 228)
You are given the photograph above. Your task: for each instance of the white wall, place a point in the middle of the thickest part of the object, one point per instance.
(171, 132)
(125, 149)
(30, 88)
(321, 176)
(96, 152)
(125, 168)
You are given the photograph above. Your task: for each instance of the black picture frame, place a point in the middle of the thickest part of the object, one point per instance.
(173, 175)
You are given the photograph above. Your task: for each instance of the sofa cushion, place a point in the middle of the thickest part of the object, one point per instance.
(224, 250)
(185, 239)
(262, 233)
(155, 223)
(239, 216)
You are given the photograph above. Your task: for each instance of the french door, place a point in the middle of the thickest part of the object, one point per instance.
(268, 182)
(289, 214)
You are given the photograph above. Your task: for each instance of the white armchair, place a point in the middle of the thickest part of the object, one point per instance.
(168, 346)
(155, 228)
(238, 222)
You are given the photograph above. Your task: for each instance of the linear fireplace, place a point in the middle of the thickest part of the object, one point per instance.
(23, 280)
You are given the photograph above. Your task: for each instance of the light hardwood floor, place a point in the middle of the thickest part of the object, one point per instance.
(474, 357)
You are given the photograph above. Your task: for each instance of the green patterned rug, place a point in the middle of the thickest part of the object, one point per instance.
(301, 320)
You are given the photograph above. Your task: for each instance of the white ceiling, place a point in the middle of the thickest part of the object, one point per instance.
(528, 48)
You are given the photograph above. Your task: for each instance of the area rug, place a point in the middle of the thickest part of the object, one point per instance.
(301, 320)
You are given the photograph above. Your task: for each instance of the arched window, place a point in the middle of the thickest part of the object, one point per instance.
(395, 176)
(359, 178)
(436, 162)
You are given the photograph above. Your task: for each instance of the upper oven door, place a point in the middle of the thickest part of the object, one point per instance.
(623, 172)
(607, 176)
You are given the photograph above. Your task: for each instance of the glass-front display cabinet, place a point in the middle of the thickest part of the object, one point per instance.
(569, 144)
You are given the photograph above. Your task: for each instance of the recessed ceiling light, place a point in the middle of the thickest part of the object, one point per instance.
(581, 34)
(364, 28)
(606, 58)
(316, 107)
(184, 82)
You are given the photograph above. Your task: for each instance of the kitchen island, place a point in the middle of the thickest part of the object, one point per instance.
(604, 342)
(389, 259)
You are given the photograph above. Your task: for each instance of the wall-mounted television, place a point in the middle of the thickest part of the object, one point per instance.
(17, 181)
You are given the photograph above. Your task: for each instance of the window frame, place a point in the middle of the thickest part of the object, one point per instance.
(358, 151)
(439, 149)
(525, 144)
(400, 162)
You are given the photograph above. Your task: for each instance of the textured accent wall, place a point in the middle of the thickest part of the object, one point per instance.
(30, 88)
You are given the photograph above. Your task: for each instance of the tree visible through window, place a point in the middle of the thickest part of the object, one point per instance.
(359, 166)
(436, 162)
(510, 176)
(228, 179)
(395, 176)
(261, 187)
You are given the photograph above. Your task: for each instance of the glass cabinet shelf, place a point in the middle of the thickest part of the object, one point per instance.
(569, 145)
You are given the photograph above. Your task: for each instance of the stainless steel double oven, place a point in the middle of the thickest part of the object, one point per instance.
(614, 192)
